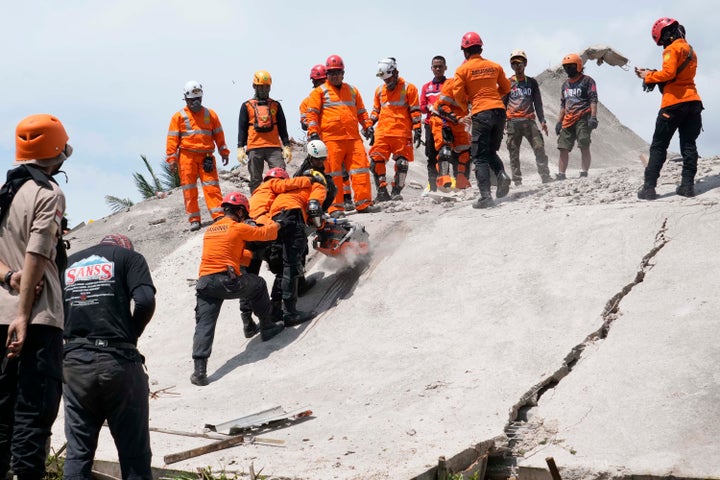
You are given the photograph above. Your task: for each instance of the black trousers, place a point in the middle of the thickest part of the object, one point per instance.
(106, 385)
(294, 243)
(30, 391)
(431, 153)
(487, 133)
(211, 291)
(686, 118)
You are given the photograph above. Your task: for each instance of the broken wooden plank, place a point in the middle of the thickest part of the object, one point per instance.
(209, 435)
(554, 472)
(216, 446)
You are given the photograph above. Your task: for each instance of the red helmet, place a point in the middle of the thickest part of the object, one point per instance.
(658, 27)
(318, 72)
(334, 62)
(235, 199)
(470, 39)
(276, 172)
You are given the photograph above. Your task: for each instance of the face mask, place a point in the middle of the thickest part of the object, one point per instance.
(571, 70)
(194, 104)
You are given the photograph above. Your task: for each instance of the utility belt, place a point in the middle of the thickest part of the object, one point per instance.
(100, 342)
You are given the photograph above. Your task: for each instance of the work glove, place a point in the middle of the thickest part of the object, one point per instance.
(369, 134)
(592, 123)
(225, 160)
(287, 154)
(558, 127)
(447, 135)
(417, 137)
(313, 136)
(209, 164)
(173, 167)
(316, 177)
(242, 156)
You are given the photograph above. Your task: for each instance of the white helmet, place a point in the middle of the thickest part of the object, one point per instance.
(316, 149)
(518, 53)
(386, 67)
(193, 89)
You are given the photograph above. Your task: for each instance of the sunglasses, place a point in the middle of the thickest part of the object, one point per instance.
(330, 73)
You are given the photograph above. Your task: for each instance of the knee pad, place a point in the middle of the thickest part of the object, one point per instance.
(445, 154)
(402, 165)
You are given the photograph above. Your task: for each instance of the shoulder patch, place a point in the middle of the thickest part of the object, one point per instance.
(666, 57)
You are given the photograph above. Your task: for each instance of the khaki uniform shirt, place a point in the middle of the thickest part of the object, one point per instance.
(32, 224)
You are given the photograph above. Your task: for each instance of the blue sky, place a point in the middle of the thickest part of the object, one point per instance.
(113, 71)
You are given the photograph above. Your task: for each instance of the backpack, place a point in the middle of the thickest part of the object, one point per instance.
(264, 113)
(16, 178)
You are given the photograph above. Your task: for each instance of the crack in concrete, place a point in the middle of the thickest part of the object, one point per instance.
(514, 429)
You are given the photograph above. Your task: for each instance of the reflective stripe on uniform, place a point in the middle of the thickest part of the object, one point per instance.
(355, 171)
(212, 182)
(192, 186)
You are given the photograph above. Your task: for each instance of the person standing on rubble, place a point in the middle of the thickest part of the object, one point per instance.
(483, 83)
(428, 95)
(680, 108)
(452, 140)
(262, 131)
(523, 104)
(194, 131)
(109, 299)
(221, 278)
(31, 317)
(578, 115)
(335, 109)
(396, 110)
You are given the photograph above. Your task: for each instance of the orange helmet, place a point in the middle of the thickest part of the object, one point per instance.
(470, 39)
(334, 62)
(41, 139)
(658, 27)
(276, 172)
(262, 77)
(235, 199)
(318, 72)
(571, 58)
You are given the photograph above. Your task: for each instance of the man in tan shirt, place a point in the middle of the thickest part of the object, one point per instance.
(31, 311)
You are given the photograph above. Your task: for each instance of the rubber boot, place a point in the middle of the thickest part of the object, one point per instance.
(276, 310)
(250, 328)
(199, 376)
(686, 188)
(395, 194)
(348, 203)
(485, 200)
(269, 328)
(382, 195)
(292, 316)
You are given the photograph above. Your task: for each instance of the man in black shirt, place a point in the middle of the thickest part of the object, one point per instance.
(102, 368)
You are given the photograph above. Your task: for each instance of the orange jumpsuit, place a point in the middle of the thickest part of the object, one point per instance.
(278, 194)
(397, 113)
(191, 138)
(334, 114)
(444, 105)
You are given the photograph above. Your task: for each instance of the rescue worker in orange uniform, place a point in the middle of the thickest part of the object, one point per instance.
(221, 278)
(452, 140)
(262, 131)
(396, 110)
(680, 108)
(194, 131)
(318, 76)
(483, 83)
(334, 110)
(289, 200)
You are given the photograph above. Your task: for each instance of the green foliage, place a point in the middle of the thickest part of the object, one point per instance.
(170, 179)
(54, 465)
(118, 204)
(147, 188)
(460, 476)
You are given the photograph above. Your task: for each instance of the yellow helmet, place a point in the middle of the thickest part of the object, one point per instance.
(262, 77)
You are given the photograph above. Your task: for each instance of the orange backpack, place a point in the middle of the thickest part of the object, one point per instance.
(264, 115)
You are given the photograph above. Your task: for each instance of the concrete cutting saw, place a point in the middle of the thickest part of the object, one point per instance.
(340, 237)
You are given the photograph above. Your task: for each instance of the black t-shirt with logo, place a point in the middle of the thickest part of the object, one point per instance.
(98, 285)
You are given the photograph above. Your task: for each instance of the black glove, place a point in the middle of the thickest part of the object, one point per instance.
(558, 127)
(592, 123)
(313, 136)
(417, 137)
(209, 164)
(452, 117)
(369, 134)
(447, 135)
(303, 126)
(316, 177)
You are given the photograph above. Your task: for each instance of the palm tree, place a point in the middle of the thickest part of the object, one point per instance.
(147, 189)
(118, 204)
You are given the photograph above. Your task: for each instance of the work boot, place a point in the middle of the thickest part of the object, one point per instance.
(194, 226)
(276, 311)
(250, 328)
(485, 200)
(337, 214)
(395, 194)
(305, 284)
(199, 376)
(382, 195)
(517, 181)
(647, 193)
(583, 174)
(686, 189)
(270, 328)
(348, 203)
(370, 209)
(503, 184)
(560, 176)
(546, 179)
